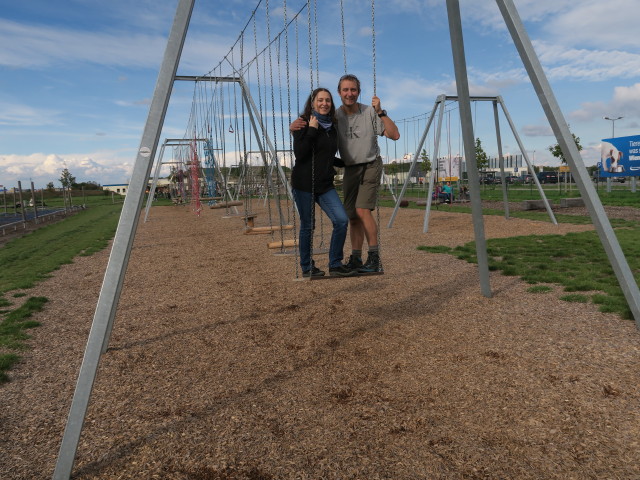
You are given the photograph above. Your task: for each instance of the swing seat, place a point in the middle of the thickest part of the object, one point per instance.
(263, 230)
(281, 244)
(249, 220)
(234, 203)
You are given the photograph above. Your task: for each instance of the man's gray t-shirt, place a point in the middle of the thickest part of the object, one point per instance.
(357, 142)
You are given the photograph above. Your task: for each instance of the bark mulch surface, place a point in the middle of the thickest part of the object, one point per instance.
(222, 366)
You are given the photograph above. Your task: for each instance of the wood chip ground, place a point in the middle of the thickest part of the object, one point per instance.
(222, 366)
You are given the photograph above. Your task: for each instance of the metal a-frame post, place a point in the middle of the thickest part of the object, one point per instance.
(122, 243)
(436, 151)
(567, 144)
(503, 182)
(462, 84)
(154, 183)
(496, 101)
(256, 122)
(534, 177)
(438, 103)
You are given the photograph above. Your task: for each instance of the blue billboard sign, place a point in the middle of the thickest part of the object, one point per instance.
(620, 157)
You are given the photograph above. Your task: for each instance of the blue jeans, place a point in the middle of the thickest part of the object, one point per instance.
(331, 205)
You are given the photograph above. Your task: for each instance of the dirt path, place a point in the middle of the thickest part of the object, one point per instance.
(221, 366)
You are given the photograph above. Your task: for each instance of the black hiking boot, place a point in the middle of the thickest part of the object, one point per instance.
(314, 272)
(372, 265)
(354, 263)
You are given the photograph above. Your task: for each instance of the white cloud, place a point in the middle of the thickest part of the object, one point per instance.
(405, 91)
(627, 95)
(625, 102)
(597, 24)
(584, 42)
(592, 65)
(102, 167)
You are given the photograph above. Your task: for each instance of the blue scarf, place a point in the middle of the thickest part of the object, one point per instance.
(324, 120)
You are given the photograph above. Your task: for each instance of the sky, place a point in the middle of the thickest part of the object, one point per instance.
(77, 77)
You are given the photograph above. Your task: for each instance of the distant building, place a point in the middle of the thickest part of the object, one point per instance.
(121, 188)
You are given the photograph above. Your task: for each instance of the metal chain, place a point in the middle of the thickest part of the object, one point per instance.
(373, 41)
(310, 44)
(313, 207)
(293, 209)
(373, 48)
(274, 160)
(268, 183)
(344, 41)
(315, 21)
(248, 203)
(297, 70)
(279, 50)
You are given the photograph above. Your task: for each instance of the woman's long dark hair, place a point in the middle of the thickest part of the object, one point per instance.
(306, 114)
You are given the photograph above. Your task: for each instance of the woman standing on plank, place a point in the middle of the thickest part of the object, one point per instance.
(315, 149)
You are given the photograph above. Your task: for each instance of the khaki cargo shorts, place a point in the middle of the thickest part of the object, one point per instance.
(360, 186)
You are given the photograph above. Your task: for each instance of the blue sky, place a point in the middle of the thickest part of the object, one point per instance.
(76, 77)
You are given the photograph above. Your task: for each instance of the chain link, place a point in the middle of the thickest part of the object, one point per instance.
(310, 44)
(293, 212)
(315, 21)
(344, 40)
(373, 42)
(373, 49)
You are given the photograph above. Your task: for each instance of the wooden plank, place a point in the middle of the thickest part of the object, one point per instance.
(281, 244)
(263, 230)
(234, 203)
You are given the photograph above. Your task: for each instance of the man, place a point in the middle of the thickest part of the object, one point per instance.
(358, 127)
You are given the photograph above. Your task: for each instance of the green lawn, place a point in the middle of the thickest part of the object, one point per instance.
(31, 259)
(576, 261)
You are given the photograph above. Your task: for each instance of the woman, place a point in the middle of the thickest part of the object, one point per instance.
(315, 148)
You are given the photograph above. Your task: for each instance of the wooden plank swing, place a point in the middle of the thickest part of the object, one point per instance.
(281, 244)
(267, 229)
(232, 203)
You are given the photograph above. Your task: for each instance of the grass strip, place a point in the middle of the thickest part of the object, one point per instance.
(12, 332)
(31, 259)
(575, 261)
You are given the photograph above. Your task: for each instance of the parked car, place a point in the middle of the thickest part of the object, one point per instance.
(527, 178)
(513, 179)
(487, 179)
(548, 177)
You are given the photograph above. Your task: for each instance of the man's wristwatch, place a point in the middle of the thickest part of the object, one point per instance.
(383, 113)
